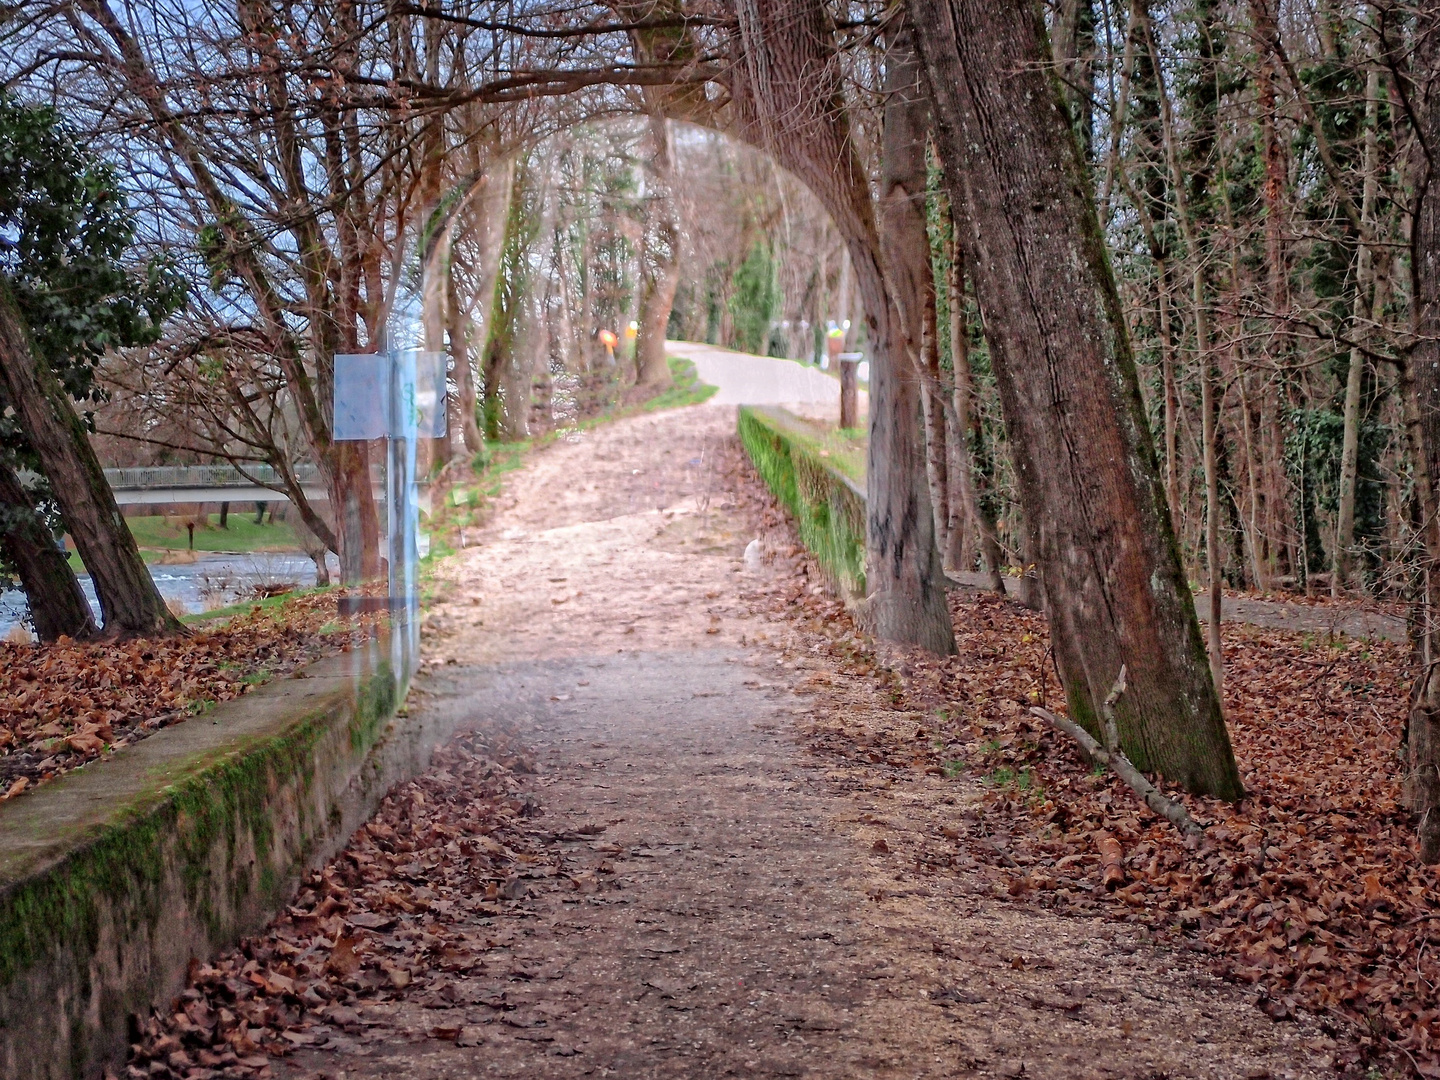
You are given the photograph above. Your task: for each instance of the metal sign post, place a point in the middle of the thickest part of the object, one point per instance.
(399, 397)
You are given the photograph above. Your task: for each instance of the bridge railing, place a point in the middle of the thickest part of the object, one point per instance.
(203, 476)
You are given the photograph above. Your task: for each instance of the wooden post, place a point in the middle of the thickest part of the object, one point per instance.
(849, 392)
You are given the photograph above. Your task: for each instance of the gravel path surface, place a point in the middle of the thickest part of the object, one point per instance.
(712, 900)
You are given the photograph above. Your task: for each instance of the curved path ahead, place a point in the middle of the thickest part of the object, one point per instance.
(746, 379)
(722, 907)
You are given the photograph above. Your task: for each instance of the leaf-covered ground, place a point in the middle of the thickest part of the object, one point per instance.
(1308, 890)
(386, 913)
(939, 909)
(67, 703)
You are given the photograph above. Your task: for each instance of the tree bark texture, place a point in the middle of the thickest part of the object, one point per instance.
(898, 430)
(130, 604)
(660, 259)
(935, 389)
(465, 435)
(1209, 436)
(787, 95)
(1088, 477)
(1422, 376)
(58, 607)
(967, 419)
(1364, 279)
(849, 394)
(480, 213)
(937, 465)
(957, 551)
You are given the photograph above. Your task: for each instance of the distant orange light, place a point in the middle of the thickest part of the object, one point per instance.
(608, 339)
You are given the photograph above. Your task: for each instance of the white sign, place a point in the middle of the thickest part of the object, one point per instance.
(362, 391)
(365, 384)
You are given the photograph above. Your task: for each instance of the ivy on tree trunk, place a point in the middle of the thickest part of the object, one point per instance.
(1115, 591)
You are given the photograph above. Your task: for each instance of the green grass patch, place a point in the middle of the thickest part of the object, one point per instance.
(840, 448)
(269, 603)
(685, 389)
(168, 533)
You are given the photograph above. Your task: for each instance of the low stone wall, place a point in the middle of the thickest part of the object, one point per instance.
(114, 877)
(828, 506)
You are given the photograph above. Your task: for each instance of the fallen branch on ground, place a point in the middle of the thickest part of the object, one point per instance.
(1112, 756)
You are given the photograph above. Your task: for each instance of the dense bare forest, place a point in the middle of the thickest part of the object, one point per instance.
(1253, 170)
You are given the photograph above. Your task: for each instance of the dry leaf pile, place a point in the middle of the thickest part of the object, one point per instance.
(1309, 889)
(392, 915)
(67, 703)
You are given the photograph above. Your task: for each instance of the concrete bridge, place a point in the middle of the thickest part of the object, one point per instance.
(161, 484)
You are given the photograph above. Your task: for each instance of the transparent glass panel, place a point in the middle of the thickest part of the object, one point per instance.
(362, 391)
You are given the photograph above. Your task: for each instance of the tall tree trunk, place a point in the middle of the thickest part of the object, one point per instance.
(1209, 406)
(352, 501)
(898, 424)
(537, 345)
(1115, 591)
(1422, 403)
(937, 464)
(1364, 280)
(572, 353)
(1209, 416)
(1252, 484)
(788, 99)
(958, 550)
(935, 390)
(57, 604)
(130, 604)
(1075, 51)
(465, 435)
(660, 260)
(967, 415)
(487, 214)
(1172, 396)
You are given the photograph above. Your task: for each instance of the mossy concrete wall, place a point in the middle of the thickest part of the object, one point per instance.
(792, 457)
(114, 877)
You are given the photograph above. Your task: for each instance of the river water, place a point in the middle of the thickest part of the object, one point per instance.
(212, 580)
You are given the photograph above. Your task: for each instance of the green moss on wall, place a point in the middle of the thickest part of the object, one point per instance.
(828, 508)
(195, 827)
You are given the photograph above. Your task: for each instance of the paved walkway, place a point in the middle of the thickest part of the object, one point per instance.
(714, 902)
(745, 379)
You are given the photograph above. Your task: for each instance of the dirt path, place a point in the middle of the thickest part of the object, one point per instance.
(1356, 620)
(711, 900)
